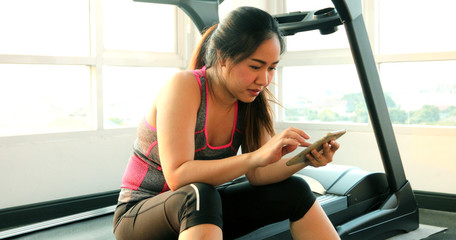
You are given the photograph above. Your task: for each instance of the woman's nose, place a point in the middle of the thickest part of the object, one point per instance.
(263, 79)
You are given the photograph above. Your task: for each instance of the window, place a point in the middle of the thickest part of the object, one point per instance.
(315, 87)
(48, 27)
(328, 93)
(35, 96)
(129, 93)
(44, 98)
(415, 26)
(139, 26)
(60, 59)
(414, 48)
(420, 93)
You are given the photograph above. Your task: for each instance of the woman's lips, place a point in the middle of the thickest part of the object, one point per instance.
(254, 92)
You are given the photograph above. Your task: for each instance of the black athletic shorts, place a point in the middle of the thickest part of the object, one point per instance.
(237, 208)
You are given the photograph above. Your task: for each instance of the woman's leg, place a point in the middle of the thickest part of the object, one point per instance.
(166, 215)
(247, 208)
(314, 225)
(206, 231)
(148, 219)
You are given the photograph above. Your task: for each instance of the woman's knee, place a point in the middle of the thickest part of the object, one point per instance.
(205, 194)
(296, 186)
(204, 206)
(298, 196)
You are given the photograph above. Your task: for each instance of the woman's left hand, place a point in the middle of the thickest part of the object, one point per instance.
(325, 156)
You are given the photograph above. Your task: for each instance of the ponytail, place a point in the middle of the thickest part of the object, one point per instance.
(199, 54)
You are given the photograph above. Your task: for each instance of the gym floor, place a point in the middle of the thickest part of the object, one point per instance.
(101, 228)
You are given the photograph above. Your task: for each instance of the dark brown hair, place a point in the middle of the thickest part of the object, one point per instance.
(236, 38)
(197, 60)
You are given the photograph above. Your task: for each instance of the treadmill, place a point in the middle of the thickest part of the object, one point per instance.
(360, 204)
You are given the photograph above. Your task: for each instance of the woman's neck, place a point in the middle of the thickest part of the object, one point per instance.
(219, 93)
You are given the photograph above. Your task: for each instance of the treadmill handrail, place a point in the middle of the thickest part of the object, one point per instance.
(351, 15)
(294, 22)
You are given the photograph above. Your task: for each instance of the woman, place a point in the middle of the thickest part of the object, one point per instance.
(187, 147)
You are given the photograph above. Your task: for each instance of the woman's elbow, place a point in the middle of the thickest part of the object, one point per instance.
(176, 180)
(174, 177)
(253, 180)
(173, 183)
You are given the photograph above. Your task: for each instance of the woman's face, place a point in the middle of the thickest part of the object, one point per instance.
(249, 77)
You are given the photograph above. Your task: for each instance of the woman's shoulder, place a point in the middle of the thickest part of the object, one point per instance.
(181, 91)
(186, 78)
(182, 85)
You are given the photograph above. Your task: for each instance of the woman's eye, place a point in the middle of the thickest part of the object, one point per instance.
(255, 67)
(272, 68)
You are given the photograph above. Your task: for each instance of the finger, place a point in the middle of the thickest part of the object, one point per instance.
(319, 158)
(334, 146)
(315, 153)
(298, 137)
(312, 160)
(305, 144)
(296, 132)
(326, 149)
(290, 142)
(300, 132)
(288, 149)
(323, 159)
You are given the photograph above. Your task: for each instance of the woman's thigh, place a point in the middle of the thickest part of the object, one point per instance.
(148, 219)
(166, 215)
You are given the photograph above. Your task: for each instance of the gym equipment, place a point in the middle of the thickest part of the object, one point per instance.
(360, 204)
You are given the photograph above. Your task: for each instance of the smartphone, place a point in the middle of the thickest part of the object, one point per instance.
(301, 157)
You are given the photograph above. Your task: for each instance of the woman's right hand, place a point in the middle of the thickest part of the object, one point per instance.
(280, 145)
